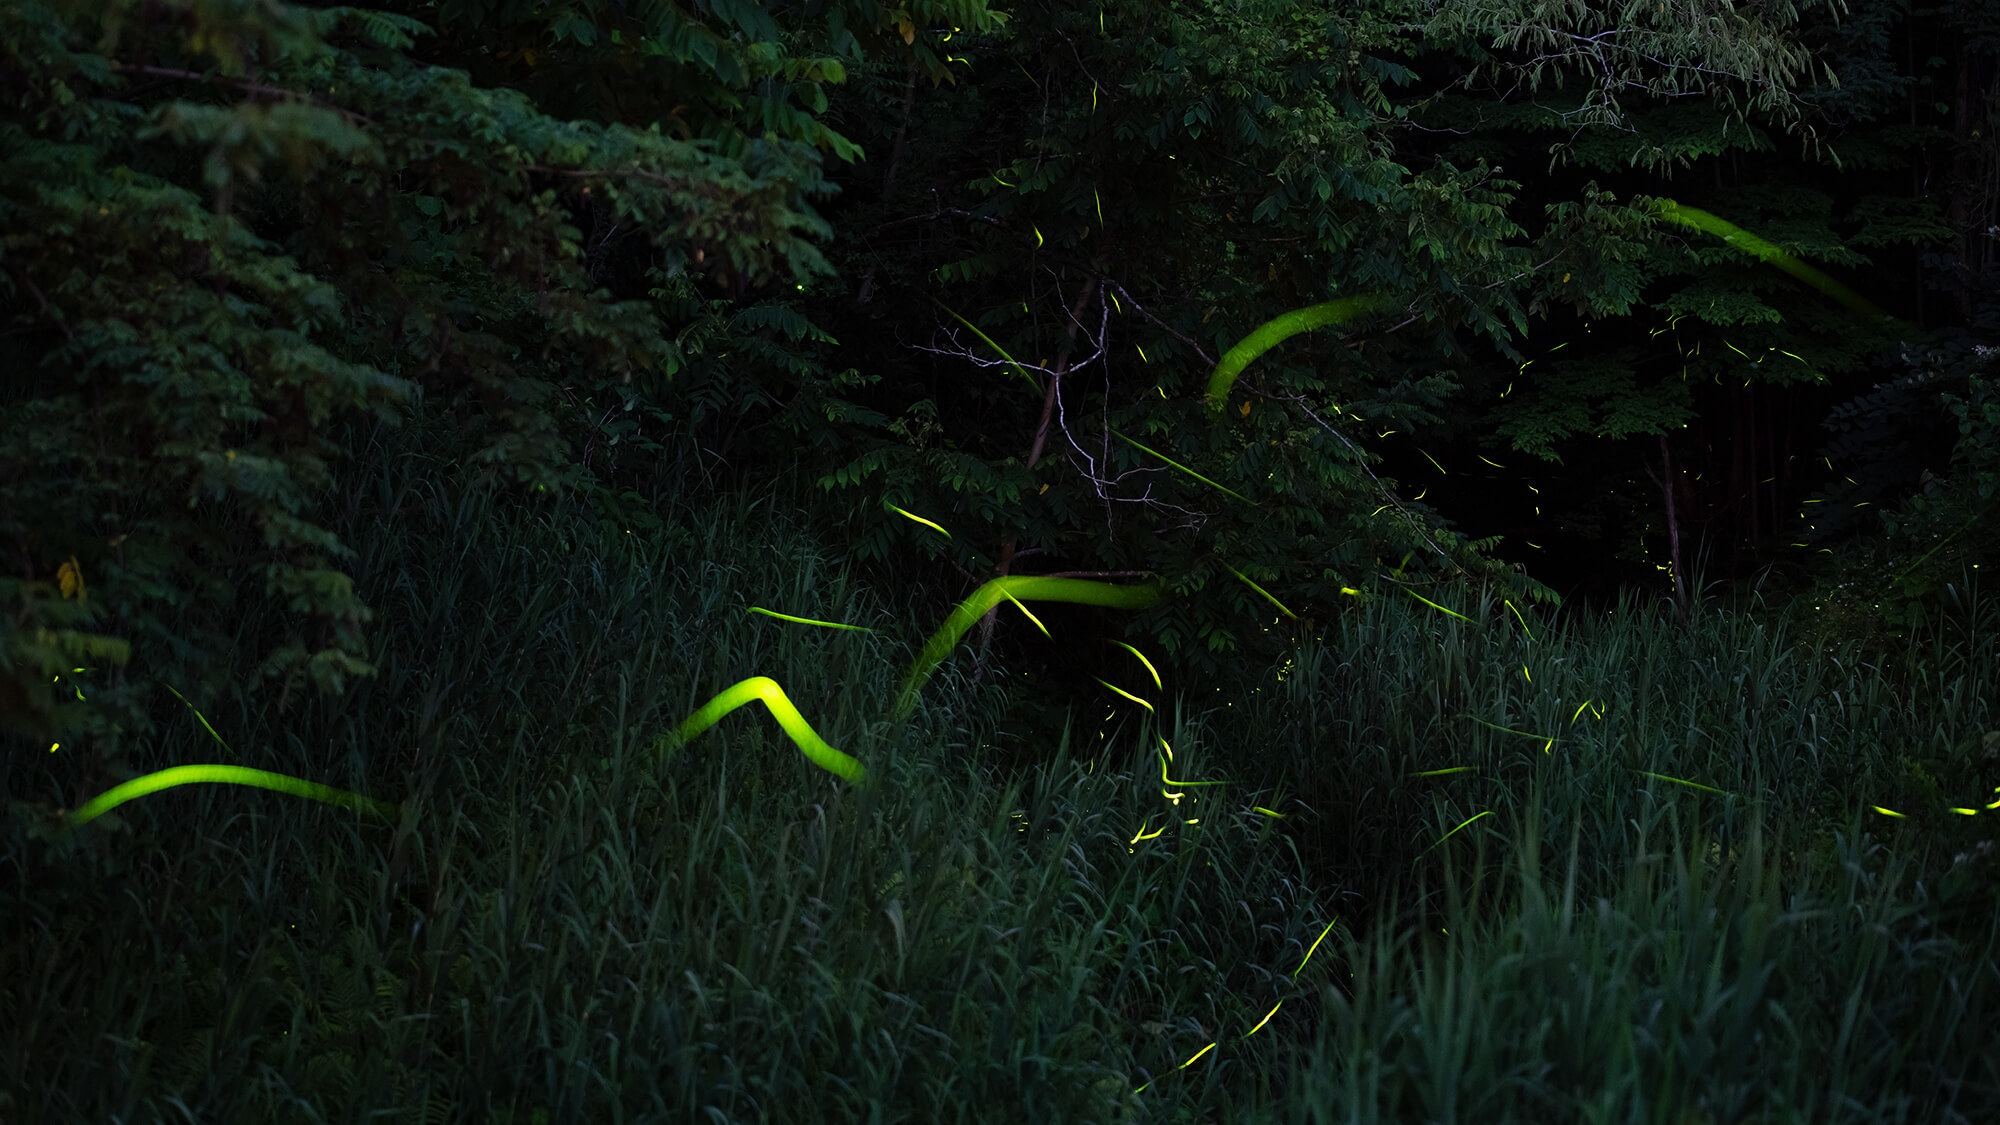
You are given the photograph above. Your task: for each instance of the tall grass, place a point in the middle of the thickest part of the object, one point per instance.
(1616, 868)
(1732, 927)
(570, 926)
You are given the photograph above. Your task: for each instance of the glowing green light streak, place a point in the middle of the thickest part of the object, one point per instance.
(225, 775)
(1887, 812)
(1282, 608)
(1462, 824)
(1981, 514)
(1579, 712)
(1765, 251)
(766, 690)
(1126, 694)
(1436, 606)
(919, 519)
(1197, 1055)
(1518, 617)
(808, 620)
(1165, 780)
(1441, 773)
(989, 340)
(1266, 812)
(1181, 467)
(198, 715)
(1684, 781)
(1145, 835)
(1078, 591)
(1029, 616)
(1506, 730)
(1265, 1020)
(1314, 949)
(1277, 330)
(1142, 659)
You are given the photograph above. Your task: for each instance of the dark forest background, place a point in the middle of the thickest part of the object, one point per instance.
(623, 250)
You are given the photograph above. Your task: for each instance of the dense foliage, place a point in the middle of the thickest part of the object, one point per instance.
(449, 410)
(973, 267)
(230, 224)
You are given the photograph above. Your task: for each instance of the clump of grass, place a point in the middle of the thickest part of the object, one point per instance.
(1761, 913)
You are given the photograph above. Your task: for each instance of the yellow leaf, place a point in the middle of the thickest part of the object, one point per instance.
(69, 578)
(1246, 408)
(909, 31)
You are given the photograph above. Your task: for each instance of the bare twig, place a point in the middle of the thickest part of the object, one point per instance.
(1205, 358)
(1362, 460)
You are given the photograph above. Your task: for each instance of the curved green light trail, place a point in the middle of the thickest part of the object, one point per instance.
(1282, 608)
(225, 775)
(1435, 606)
(906, 514)
(1766, 251)
(1143, 660)
(808, 620)
(1276, 331)
(1079, 591)
(764, 689)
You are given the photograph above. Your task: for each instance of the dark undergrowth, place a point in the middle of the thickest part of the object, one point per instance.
(1595, 867)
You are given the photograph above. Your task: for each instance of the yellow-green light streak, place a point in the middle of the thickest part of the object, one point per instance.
(1518, 617)
(1683, 781)
(1031, 617)
(1314, 949)
(1765, 251)
(1123, 692)
(1181, 467)
(919, 519)
(1277, 330)
(1079, 591)
(225, 775)
(1267, 594)
(1436, 606)
(1165, 780)
(1506, 730)
(1462, 824)
(197, 714)
(1142, 659)
(766, 690)
(989, 340)
(808, 620)
(1265, 1020)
